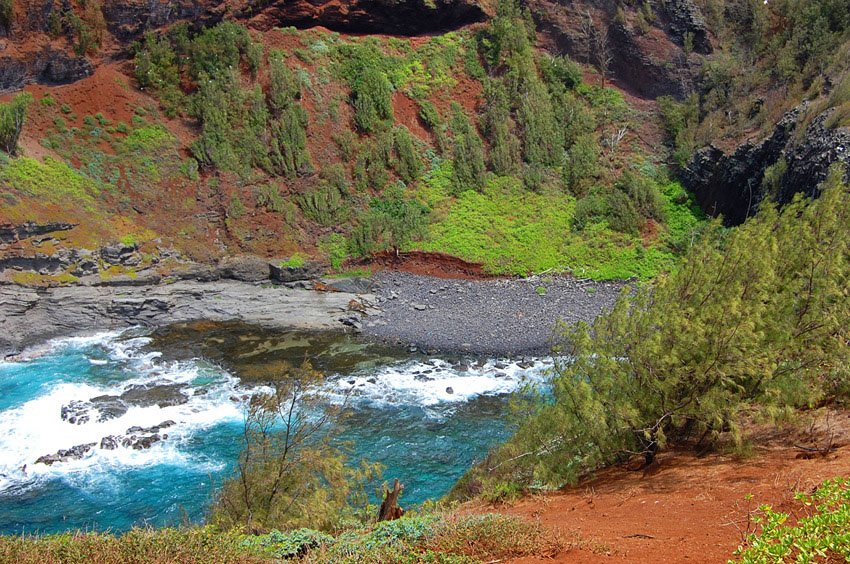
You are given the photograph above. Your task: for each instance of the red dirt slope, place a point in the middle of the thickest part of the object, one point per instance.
(686, 509)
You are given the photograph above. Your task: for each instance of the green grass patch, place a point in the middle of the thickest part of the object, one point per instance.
(52, 180)
(513, 231)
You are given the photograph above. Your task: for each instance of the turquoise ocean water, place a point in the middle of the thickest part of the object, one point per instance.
(425, 419)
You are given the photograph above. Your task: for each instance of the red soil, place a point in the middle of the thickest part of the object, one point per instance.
(687, 508)
(438, 265)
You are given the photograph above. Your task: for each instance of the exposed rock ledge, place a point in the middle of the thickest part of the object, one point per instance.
(29, 315)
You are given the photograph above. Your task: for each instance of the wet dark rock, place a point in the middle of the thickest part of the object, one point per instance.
(76, 412)
(163, 395)
(283, 274)
(109, 442)
(245, 268)
(140, 443)
(422, 378)
(73, 453)
(150, 430)
(108, 407)
(450, 390)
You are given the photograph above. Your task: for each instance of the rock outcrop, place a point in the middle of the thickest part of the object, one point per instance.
(647, 57)
(732, 185)
(34, 50)
(28, 315)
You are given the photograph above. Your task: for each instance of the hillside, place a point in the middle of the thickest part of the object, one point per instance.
(614, 322)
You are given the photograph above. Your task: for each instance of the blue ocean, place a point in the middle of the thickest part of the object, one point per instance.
(425, 418)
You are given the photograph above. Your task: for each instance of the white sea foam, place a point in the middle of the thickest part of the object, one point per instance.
(36, 427)
(435, 382)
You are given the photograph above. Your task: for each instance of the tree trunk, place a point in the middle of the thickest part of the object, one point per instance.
(389, 508)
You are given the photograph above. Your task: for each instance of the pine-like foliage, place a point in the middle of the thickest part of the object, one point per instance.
(755, 319)
(469, 167)
(13, 115)
(291, 473)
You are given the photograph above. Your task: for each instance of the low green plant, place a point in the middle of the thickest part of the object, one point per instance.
(822, 534)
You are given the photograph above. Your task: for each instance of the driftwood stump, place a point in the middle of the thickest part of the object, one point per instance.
(389, 507)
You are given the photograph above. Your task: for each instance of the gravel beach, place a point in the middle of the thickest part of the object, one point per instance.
(491, 316)
(499, 316)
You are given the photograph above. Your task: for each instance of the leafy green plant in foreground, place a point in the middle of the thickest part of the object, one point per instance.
(823, 535)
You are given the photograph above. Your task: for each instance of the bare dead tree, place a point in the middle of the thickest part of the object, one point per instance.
(597, 45)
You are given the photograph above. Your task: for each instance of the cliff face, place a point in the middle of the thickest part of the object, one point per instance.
(44, 42)
(647, 49)
(733, 185)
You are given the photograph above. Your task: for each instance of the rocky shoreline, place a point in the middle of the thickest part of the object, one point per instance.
(497, 316)
(29, 316)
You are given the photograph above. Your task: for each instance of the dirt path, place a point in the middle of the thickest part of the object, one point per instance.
(688, 509)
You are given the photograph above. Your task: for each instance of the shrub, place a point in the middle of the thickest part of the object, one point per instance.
(7, 13)
(469, 167)
(217, 51)
(408, 165)
(644, 194)
(499, 126)
(324, 205)
(371, 96)
(580, 164)
(560, 72)
(392, 222)
(13, 116)
(233, 120)
(290, 473)
(748, 311)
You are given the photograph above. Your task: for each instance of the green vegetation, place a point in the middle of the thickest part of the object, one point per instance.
(539, 132)
(821, 535)
(7, 13)
(51, 180)
(392, 222)
(772, 56)
(429, 537)
(291, 474)
(752, 322)
(515, 231)
(13, 115)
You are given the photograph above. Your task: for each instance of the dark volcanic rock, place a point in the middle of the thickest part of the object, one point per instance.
(10, 233)
(731, 185)
(684, 17)
(109, 442)
(245, 268)
(108, 407)
(163, 395)
(649, 64)
(284, 274)
(73, 453)
(50, 66)
(139, 443)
